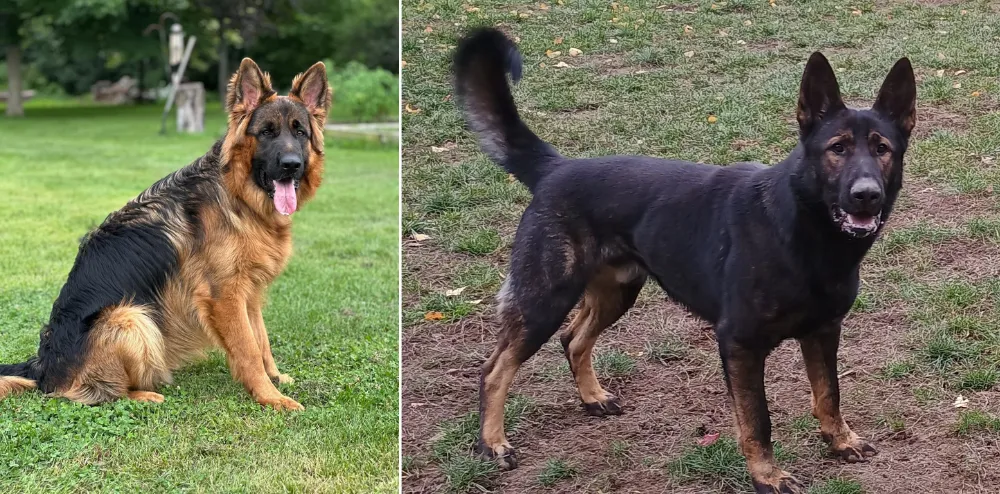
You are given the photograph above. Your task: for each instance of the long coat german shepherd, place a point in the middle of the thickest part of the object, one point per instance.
(185, 265)
(763, 253)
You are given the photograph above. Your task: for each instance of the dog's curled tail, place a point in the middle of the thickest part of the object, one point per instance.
(16, 378)
(482, 61)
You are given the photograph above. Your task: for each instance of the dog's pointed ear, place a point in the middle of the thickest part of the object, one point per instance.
(897, 99)
(248, 88)
(819, 93)
(313, 88)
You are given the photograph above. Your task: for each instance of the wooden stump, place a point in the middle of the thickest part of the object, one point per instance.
(191, 107)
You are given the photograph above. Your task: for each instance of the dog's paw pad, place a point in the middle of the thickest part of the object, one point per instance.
(503, 455)
(611, 405)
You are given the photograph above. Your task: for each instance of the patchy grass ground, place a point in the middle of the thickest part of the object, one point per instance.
(650, 75)
(332, 319)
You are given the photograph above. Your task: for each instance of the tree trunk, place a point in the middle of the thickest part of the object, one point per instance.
(223, 64)
(15, 107)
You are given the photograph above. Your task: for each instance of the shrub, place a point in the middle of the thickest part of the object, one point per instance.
(361, 94)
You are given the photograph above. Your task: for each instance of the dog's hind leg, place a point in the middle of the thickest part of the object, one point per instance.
(819, 350)
(609, 294)
(125, 358)
(541, 289)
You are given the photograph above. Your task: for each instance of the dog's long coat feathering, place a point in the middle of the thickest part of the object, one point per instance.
(185, 265)
(763, 253)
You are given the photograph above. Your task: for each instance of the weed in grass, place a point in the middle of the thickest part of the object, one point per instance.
(897, 369)
(463, 472)
(479, 242)
(804, 424)
(980, 379)
(479, 277)
(943, 350)
(720, 463)
(892, 421)
(837, 486)
(614, 364)
(925, 395)
(974, 421)
(619, 453)
(987, 229)
(554, 471)
(667, 350)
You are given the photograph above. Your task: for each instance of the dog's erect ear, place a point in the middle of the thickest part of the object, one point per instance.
(819, 94)
(248, 88)
(897, 99)
(313, 89)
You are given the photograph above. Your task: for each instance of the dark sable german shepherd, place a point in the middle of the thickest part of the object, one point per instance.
(763, 253)
(185, 265)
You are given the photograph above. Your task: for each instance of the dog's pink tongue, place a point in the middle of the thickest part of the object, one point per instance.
(284, 197)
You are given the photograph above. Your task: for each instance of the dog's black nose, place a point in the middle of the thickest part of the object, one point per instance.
(867, 194)
(290, 162)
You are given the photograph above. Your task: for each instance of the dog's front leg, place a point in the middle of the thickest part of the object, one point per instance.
(256, 315)
(819, 350)
(744, 372)
(230, 321)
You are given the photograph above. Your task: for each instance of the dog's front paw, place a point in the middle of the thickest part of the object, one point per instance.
(780, 483)
(281, 403)
(502, 454)
(610, 405)
(853, 449)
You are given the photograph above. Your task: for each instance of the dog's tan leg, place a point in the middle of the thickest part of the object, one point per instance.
(819, 350)
(497, 374)
(604, 302)
(229, 319)
(146, 396)
(256, 316)
(744, 371)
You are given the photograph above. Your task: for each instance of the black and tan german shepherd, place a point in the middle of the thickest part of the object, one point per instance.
(763, 253)
(185, 265)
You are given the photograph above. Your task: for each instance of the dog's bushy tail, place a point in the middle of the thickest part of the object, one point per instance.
(15, 378)
(482, 61)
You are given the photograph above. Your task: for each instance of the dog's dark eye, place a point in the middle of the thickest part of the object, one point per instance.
(300, 131)
(838, 148)
(267, 132)
(882, 149)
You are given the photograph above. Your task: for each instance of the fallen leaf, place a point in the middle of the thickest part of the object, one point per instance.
(447, 98)
(433, 316)
(523, 15)
(688, 29)
(476, 302)
(957, 85)
(748, 22)
(562, 65)
(963, 11)
(402, 64)
(708, 439)
(714, 7)
(855, 12)
(574, 52)
(552, 54)
(961, 402)
(689, 54)
(640, 72)
(410, 109)
(542, 6)
(454, 293)
(448, 146)
(420, 237)
(976, 94)
(428, 30)
(959, 72)
(712, 119)
(723, 34)
(740, 42)
(987, 160)
(940, 73)
(557, 41)
(511, 178)
(472, 9)
(613, 41)
(941, 56)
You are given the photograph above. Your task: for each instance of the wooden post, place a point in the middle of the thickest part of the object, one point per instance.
(176, 80)
(191, 107)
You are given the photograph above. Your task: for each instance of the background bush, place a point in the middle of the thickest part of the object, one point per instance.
(361, 94)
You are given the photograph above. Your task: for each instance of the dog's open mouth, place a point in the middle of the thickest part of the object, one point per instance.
(284, 196)
(858, 225)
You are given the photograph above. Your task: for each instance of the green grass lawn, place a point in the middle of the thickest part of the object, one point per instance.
(714, 82)
(332, 319)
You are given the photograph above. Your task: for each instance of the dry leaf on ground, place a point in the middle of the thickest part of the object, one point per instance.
(420, 237)
(433, 316)
(454, 293)
(574, 52)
